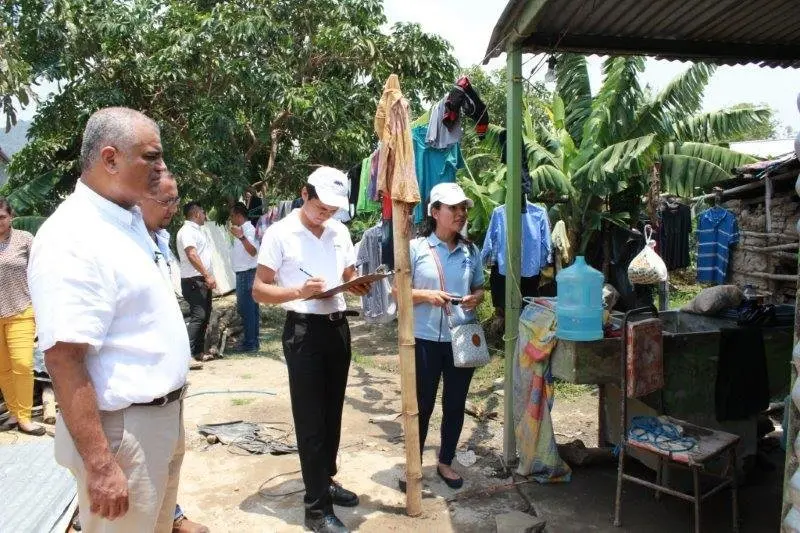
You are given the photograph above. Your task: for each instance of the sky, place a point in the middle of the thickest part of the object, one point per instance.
(468, 25)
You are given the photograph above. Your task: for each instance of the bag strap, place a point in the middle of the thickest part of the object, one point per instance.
(436, 260)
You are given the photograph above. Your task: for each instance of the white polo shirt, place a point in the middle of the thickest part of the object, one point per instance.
(288, 246)
(192, 234)
(240, 259)
(94, 280)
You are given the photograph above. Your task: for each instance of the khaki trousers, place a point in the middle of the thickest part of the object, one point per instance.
(16, 363)
(148, 444)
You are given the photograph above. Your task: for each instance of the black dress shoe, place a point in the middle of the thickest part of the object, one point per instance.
(341, 496)
(326, 524)
(452, 483)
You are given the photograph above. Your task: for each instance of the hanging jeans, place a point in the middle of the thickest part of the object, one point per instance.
(248, 309)
(434, 361)
(16, 363)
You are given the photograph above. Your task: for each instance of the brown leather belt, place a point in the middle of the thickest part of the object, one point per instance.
(170, 397)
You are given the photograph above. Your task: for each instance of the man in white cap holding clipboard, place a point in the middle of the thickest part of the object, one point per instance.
(301, 256)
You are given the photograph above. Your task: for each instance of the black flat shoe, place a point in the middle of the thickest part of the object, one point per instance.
(341, 496)
(326, 524)
(7, 426)
(452, 483)
(38, 431)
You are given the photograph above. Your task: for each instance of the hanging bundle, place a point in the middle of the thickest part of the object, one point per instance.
(647, 267)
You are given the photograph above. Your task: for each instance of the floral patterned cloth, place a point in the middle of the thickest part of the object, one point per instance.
(533, 396)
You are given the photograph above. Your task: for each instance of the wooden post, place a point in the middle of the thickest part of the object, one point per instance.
(768, 229)
(513, 243)
(401, 225)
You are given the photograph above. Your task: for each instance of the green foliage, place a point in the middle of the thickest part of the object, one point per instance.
(244, 92)
(598, 151)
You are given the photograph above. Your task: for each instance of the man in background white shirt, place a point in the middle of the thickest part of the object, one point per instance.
(112, 332)
(197, 278)
(244, 258)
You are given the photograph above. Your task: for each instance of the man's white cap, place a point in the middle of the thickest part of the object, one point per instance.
(331, 186)
(448, 194)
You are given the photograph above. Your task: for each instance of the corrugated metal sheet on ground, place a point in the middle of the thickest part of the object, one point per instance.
(35, 491)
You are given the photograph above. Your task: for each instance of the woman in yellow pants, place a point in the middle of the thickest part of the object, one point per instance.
(17, 326)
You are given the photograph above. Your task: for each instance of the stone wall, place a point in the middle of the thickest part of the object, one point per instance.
(751, 215)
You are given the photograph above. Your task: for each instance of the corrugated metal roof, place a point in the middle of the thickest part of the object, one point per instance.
(730, 32)
(34, 490)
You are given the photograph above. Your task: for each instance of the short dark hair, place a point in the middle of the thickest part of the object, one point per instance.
(189, 208)
(311, 191)
(239, 209)
(6, 206)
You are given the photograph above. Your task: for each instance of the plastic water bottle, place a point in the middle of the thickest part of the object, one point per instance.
(580, 302)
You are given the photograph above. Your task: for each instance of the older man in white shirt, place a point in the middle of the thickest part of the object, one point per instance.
(197, 278)
(112, 333)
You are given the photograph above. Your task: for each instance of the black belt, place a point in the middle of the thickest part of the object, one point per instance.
(170, 397)
(332, 317)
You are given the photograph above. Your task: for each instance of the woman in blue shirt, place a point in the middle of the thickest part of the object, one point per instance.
(462, 270)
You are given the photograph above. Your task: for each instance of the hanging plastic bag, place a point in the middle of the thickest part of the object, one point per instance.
(647, 267)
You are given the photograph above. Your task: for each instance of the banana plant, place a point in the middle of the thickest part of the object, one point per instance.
(597, 146)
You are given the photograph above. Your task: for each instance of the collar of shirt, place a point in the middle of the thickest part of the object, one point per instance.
(296, 226)
(192, 224)
(434, 241)
(124, 216)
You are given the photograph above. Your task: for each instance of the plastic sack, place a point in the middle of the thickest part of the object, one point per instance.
(647, 267)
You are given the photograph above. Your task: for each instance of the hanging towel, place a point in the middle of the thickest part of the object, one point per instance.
(645, 357)
(742, 388)
(396, 173)
(533, 397)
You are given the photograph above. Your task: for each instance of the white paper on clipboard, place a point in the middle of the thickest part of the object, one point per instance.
(360, 280)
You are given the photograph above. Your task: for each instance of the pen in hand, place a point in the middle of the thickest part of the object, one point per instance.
(301, 269)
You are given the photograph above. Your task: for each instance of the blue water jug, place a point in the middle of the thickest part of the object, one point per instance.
(580, 303)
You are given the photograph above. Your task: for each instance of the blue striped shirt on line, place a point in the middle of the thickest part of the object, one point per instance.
(717, 231)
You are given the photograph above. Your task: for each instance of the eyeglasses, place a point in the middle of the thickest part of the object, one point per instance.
(172, 202)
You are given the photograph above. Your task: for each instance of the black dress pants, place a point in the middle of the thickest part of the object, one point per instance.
(198, 296)
(317, 352)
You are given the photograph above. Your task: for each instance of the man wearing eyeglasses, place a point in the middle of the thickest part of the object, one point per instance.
(197, 278)
(157, 212)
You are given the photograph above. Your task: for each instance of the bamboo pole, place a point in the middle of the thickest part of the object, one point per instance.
(768, 228)
(758, 234)
(740, 188)
(513, 242)
(401, 226)
(775, 277)
(755, 249)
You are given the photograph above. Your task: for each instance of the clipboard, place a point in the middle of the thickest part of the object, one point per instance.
(360, 280)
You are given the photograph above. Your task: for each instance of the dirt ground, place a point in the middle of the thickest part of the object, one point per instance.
(231, 491)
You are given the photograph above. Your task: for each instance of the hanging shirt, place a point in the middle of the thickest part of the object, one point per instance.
(536, 244)
(717, 231)
(560, 240)
(378, 305)
(462, 270)
(440, 136)
(364, 203)
(433, 166)
(676, 224)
